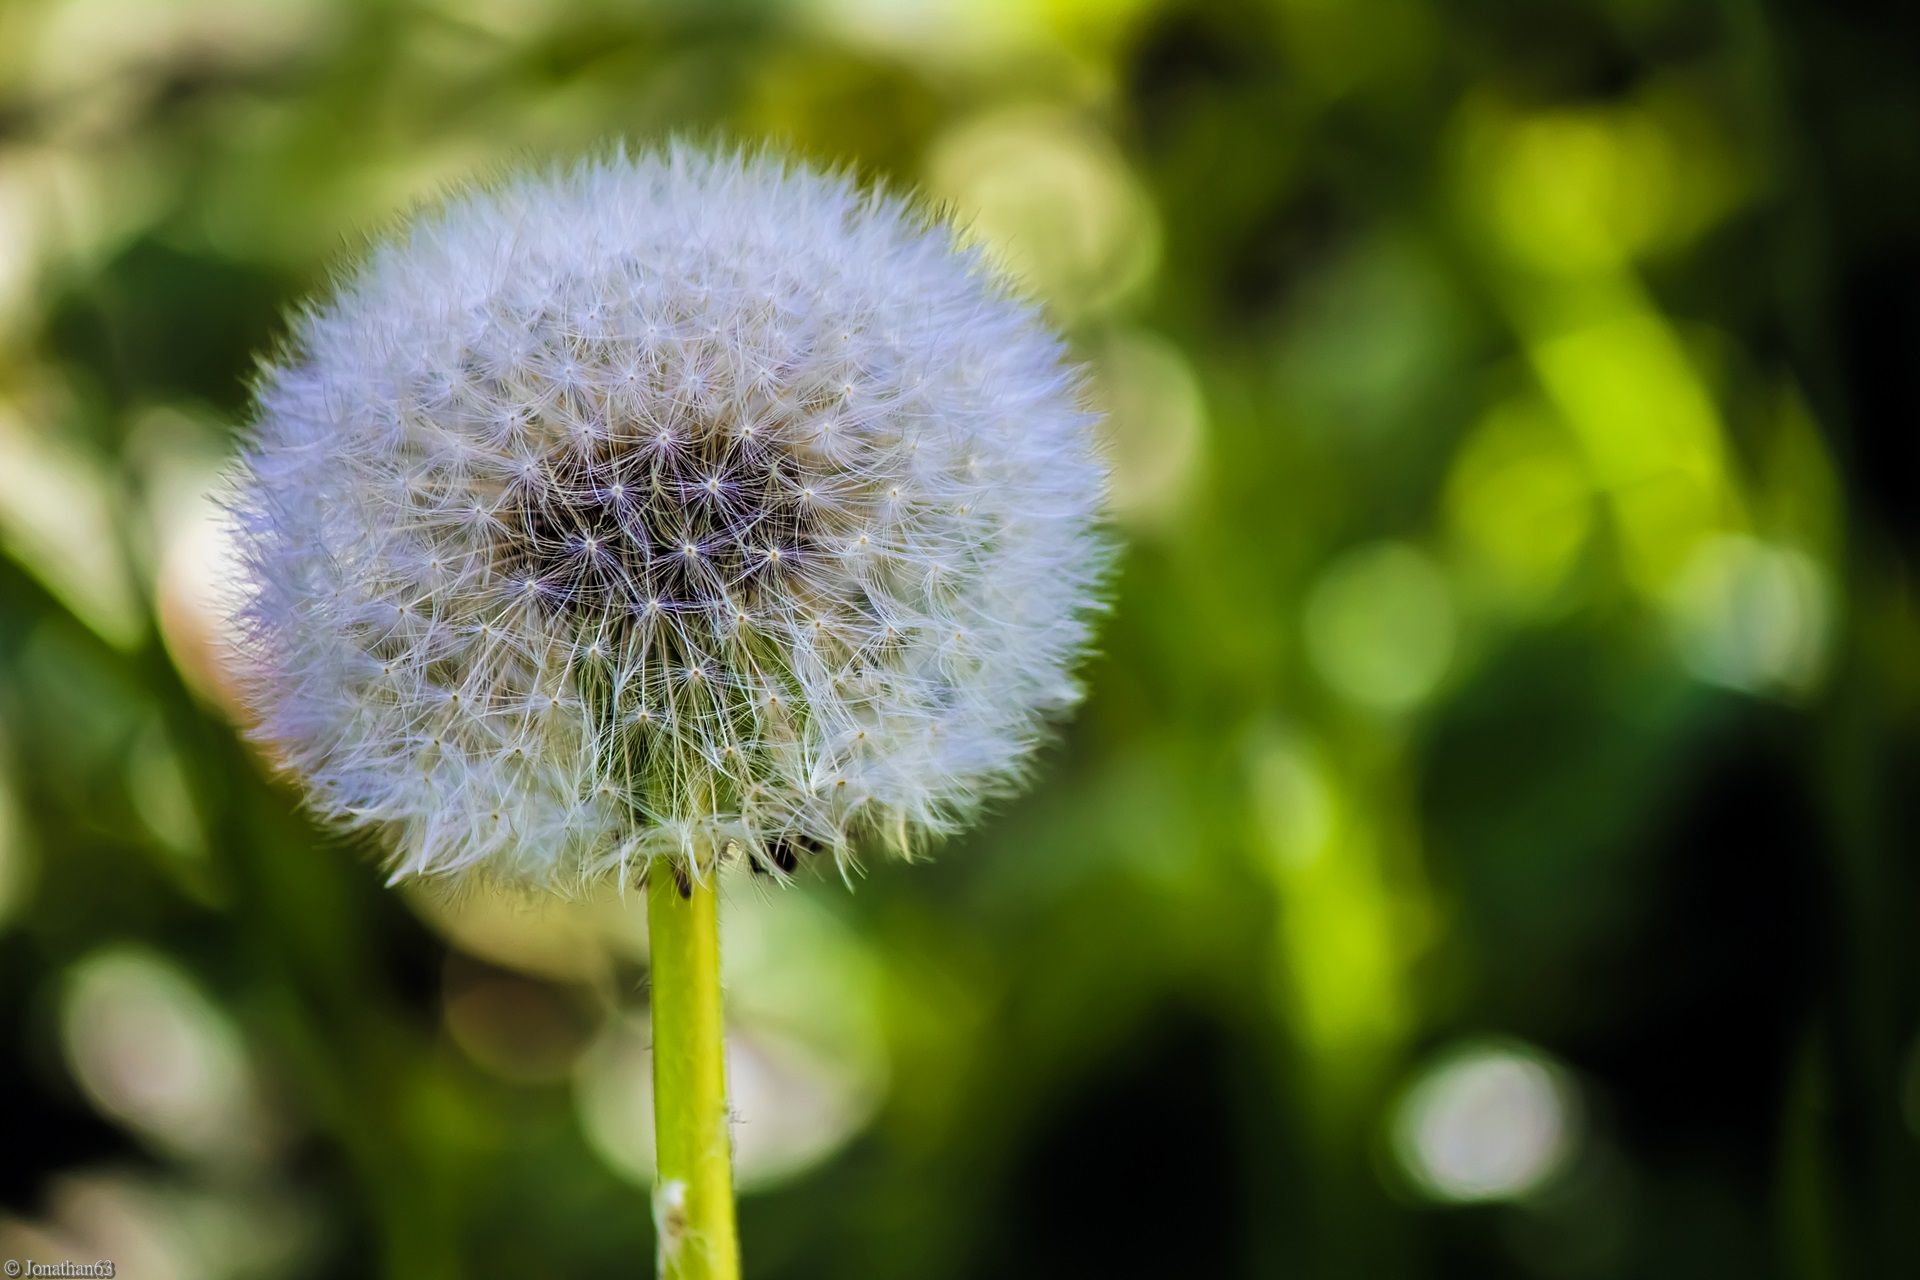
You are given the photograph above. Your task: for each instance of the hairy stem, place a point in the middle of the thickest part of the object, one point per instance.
(693, 1180)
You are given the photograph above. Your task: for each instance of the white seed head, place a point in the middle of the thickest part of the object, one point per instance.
(664, 503)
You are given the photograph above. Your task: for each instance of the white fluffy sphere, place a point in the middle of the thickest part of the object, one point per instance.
(661, 505)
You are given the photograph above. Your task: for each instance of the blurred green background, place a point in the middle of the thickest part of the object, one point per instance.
(1487, 847)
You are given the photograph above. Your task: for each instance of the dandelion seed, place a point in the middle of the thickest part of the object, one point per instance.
(826, 440)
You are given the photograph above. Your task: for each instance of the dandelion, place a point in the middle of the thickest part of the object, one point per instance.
(660, 512)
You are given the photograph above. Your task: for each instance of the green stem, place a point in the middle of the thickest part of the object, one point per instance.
(693, 1179)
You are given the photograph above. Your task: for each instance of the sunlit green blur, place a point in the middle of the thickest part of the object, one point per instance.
(1482, 852)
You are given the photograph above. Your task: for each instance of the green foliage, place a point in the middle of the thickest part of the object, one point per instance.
(1484, 849)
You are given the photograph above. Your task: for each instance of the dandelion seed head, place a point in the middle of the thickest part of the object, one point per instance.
(660, 502)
